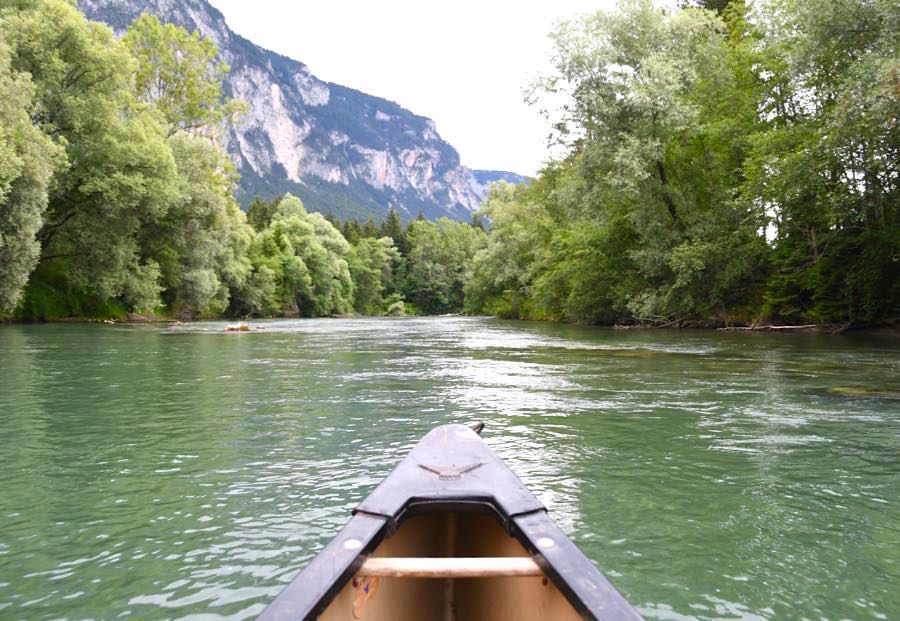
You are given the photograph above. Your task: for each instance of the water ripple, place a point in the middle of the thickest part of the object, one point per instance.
(188, 473)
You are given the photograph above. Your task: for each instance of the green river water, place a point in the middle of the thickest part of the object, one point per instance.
(180, 472)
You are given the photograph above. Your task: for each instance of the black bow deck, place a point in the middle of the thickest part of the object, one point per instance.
(451, 469)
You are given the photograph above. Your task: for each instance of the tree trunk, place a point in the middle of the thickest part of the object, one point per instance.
(666, 195)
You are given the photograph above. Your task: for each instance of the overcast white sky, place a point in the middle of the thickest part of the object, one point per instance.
(462, 63)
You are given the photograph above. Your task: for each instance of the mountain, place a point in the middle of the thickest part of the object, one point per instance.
(337, 148)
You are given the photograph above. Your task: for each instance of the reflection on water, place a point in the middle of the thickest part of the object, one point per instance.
(173, 472)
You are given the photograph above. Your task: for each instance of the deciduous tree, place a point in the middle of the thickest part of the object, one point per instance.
(28, 159)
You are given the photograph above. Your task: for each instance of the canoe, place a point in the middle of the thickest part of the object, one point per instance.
(451, 534)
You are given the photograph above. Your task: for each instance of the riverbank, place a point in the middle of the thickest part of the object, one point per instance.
(821, 328)
(887, 330)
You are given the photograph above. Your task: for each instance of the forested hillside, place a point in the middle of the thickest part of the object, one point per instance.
(115, 196)
(727, 164)
(731, 164)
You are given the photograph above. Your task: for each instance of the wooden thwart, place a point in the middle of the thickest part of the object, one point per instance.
(450, 567)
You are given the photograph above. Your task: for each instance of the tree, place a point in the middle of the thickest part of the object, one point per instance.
(372, 265)
(369, 229)
(439, 263)
(654, 128)
(827, 165)
(719, 6)
(179, 73)
(306, 257)
(120, 172)
(27, 161)
(504, 271)
(351, 231)
(731, 165)
(260, 213)
(201, 242)
(392, 227)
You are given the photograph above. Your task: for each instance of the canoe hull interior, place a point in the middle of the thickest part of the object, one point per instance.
(450, 507)
(468, 534)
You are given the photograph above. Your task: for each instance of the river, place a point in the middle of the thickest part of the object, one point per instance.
(180, 472)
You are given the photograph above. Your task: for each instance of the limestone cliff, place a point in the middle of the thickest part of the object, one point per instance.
(339, 149)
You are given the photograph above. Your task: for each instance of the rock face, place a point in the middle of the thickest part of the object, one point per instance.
(339, 149)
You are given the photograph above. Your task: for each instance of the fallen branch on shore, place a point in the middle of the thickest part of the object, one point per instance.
(808, 326)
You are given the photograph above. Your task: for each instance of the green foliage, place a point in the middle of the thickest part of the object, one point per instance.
(396, 308)
(120, 174)
(139, 212)
(350, 231)
(716, 169)
(300, 261)
(27, 161)
(654, 178)
(373, 264)
(178, 72)
(506, 266)
(49, 297)
(201, 242)
(826, 164)
(369, 229)
(439, 263)
(260, 213)
(393, 227)
(720, 6)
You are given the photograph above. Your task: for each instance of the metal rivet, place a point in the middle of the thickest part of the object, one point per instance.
(352, 544)
(546, 542)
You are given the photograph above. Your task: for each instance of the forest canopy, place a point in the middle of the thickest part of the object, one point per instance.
(738, 164)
